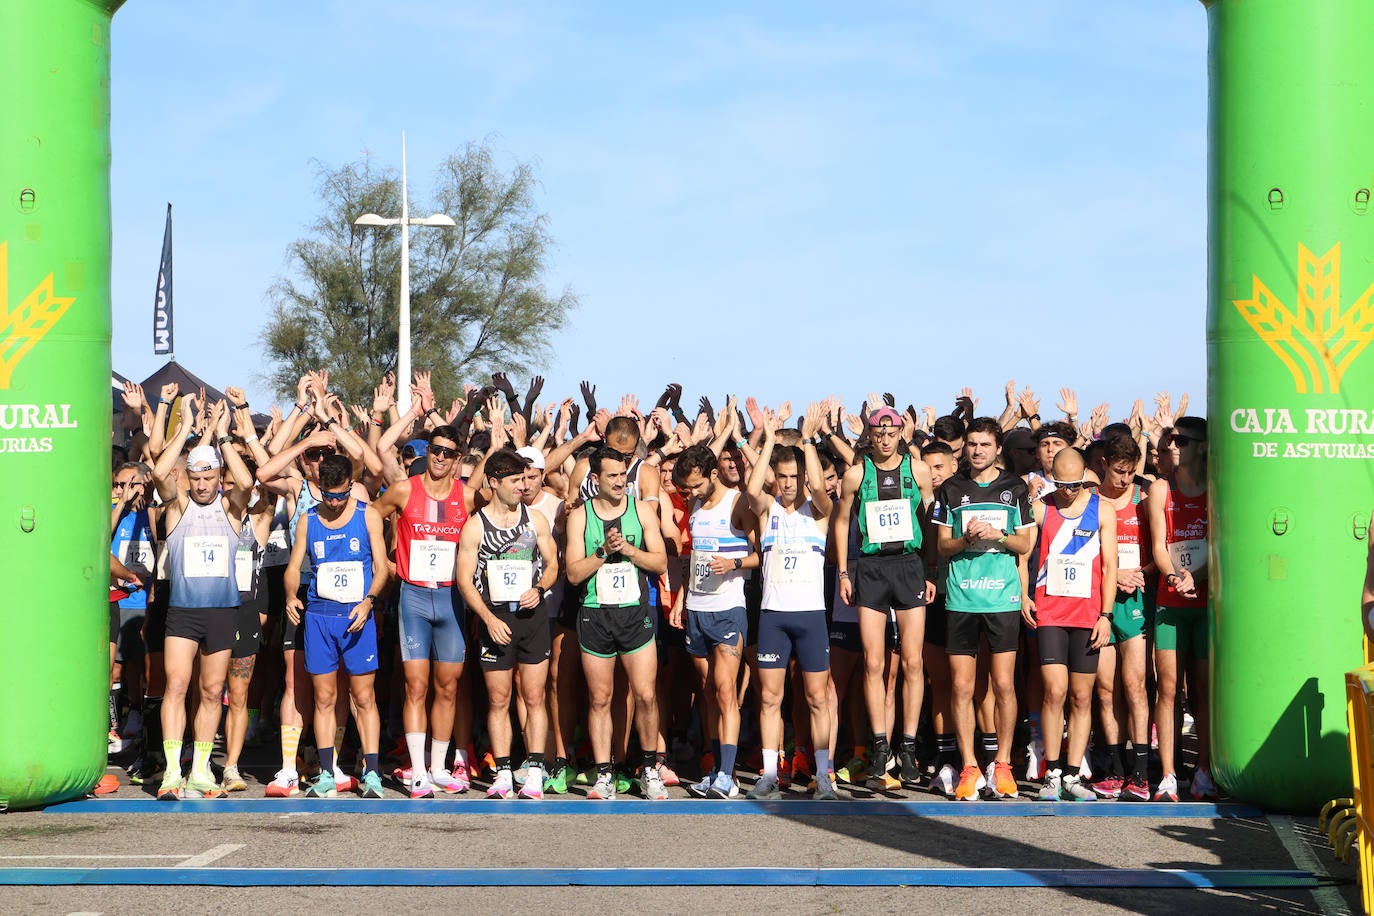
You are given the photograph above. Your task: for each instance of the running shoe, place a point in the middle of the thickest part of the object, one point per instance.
(724, 786)
(667, 776)
(702, 788)
(232, 781)
(1135, 789)
(557, 781)
(421, 788)
(1202, 788)
(1168, 789)
(942, 783)
(117, 744)
(1189, 724)
(372, 785)
(1001, 783)
(1035, 759)
(1108, 787)
(623, 782)
(522, 772)
(908, 770)
(1073, 788)
(766, 789)
(1053, 786)
(323, 787)
(205, 786)
(488, 763)
(825, 788)
(651, 784)
(107, 784)
(284, 785)
(854, 771)
(170, 790)
(971, 782)
(403, 776)
(462, 778)
(533, 786)
(503, 786)
(344, 782)
(604, 789)
(446, 782)
(883, 782)
(144, 769)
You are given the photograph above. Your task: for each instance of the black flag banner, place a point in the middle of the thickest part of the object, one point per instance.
(162, 303)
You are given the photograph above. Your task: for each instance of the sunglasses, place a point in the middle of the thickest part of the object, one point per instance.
(442, 452)
(318, 454)
(1069, 484)
(334, 497)
(1181, 441)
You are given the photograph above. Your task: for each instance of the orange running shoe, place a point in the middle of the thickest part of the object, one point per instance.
(971, 782)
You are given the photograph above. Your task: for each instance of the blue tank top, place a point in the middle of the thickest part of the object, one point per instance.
(305, 502)
(200, 557)
(343, 563)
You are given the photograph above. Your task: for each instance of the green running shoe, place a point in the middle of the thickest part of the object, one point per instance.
(557, 781)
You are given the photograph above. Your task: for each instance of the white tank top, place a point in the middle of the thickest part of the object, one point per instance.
(547, 505)
(793, 559)
(712, 534)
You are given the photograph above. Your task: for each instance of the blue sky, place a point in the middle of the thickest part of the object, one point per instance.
(780, 199)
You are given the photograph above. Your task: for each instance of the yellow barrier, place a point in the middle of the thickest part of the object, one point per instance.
(1359, 712)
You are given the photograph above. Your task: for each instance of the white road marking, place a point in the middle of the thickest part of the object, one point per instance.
(211, 855)
(1329, 900)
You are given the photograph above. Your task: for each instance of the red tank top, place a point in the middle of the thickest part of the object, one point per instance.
(1185, 534)
(1133, 533)
(427, 535)
(1068, 585)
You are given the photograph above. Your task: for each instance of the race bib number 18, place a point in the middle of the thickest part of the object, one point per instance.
(1069, 576)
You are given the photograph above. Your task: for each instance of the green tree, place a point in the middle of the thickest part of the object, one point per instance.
(477, 299)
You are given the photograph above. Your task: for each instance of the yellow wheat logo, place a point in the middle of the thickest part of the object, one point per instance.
(1320, 342)
(24, 326)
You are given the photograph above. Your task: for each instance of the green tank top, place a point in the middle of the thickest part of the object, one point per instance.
(899, 483)
(594, 535)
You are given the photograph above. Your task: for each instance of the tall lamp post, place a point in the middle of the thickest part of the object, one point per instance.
(405, 222)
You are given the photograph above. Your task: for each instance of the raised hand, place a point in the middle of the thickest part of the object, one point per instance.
(670, 396)
(785, 412)
(1068, 403)
(362, 416)
(1137, 417)
(889, 399)
(133, 397)
(855, 424)
(235, 396)
(1163, 415)
(1011, 392)
(1097, 420)
(503, 385)
(1030, 404)
(927, 418)
(1182, 406)
(751, 407)
(519, 430)
(536, 386)
(599, 421)
(629, 406)
(704, 406)
(588, 397)
(965, 404)
(170, 391)
(810, 422)
(303, 387)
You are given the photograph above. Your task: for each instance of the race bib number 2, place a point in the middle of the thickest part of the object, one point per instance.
(432, 561)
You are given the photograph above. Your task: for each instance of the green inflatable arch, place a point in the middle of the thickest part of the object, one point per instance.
(1290, 312)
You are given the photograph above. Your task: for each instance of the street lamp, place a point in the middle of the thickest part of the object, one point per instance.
(405, 222)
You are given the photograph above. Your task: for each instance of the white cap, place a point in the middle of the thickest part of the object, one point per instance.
(203, 458)
(532, 455)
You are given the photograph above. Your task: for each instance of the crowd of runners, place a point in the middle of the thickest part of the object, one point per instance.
(542, 600)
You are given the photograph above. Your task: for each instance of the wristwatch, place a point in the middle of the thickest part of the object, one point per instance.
(738, 562)
(600, 552)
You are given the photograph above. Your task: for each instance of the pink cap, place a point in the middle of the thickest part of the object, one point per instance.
(884, 416)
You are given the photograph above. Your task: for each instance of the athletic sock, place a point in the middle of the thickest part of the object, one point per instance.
(727, 759)
(770, 763)
(822, 761)
(200, 761)
(460, 758)
(415, 744)
(946, 748)
(338, 741)
(990, 746)
(171, 749)
(327, 760)
(1114, 760)
(438, 755)
(908, 742)
(152, 723)
(537, 760)
(502, 763)
(1140, 760)
(114, 710)
(649, 760)
(1056, 764)
(370, 763)
(290, 743)
(559, 763)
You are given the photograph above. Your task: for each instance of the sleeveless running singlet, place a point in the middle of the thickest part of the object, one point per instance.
(200, 557)
(1185, 535)
(1068, 584)
(793, 545)
(618, 583)
(343, 563)
(508, 561)
(427, 535)
(713, 532)
(887, 505)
